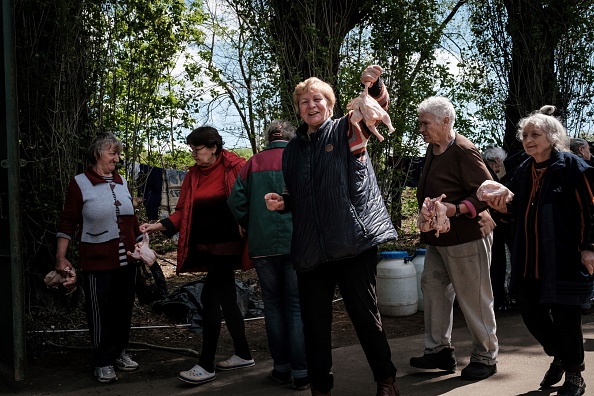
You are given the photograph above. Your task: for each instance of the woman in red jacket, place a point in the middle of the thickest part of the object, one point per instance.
(210, 241)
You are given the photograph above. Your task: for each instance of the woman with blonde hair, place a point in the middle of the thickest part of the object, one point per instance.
(339, 218)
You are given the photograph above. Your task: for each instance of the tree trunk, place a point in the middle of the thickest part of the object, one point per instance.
(535, 28)
(52, 119)
(308, 36)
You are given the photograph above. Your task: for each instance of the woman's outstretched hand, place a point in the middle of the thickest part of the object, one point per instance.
(274, 201)
(371, 74)
(150, 228)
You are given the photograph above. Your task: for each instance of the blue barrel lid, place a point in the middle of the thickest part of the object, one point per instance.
(420, 252)
(394, 254)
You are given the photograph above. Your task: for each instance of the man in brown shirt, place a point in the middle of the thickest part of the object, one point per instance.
(457, 262)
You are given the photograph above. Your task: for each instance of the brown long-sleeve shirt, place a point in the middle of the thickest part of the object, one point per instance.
(457, 172)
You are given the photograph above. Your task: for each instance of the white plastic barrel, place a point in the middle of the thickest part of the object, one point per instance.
(396, 284)
(419, 262)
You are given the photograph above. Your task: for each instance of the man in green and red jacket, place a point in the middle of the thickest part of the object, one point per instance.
(269, 245)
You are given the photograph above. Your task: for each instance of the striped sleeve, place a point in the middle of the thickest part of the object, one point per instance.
(358, 133)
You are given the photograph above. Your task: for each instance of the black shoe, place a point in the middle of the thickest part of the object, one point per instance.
(443, 360)
(478, 371)
(301, 383)
(281, 377)
(553, 375)
(571, 389)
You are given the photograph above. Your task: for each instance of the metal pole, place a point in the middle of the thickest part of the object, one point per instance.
(12, 147)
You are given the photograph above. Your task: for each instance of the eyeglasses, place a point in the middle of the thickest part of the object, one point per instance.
(195, 150)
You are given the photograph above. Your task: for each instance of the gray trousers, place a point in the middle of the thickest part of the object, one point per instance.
(460, 271)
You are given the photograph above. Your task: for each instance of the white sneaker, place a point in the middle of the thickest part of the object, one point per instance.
(196, 375)
(234, 362)
(125, 363)
(105, 374)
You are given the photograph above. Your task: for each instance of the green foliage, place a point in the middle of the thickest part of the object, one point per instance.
(534, 53)
(489, 41)
(407, 39)
(241, 69)
(86, 67)
(245, 153)
(135, 90)
(52, 118)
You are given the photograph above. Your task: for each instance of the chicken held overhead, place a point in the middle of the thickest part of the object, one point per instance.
(368, 110)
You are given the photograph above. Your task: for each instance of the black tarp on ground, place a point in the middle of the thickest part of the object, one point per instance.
(183, 305)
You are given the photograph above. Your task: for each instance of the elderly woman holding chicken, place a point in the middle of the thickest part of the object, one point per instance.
(552, 205)
(98, 208)
(457, 229)
(339, 218)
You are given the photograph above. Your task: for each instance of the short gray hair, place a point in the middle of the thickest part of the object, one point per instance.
(279, 130)
(577, 143)
(101, 143)
(544, 120)
(441, 107)
(493, 153)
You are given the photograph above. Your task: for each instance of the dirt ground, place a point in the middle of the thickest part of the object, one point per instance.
(58, 346)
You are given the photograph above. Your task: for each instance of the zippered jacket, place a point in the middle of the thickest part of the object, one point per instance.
(564, 226)
(181, 219)
(337, 206)
(269, 232)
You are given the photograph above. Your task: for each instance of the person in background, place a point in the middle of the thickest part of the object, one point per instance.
(210, 241)
(553, 255)
(269, 241)
(494, 157)
(339, 218)
(581, 148)
(98, 207)
(456, 262)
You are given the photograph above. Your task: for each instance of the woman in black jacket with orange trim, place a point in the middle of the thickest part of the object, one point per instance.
(553, 257)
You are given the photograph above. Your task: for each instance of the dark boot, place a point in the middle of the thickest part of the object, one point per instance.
(574, 385)
(387, 387)
(315, 392)
(443, 360)
(553, 375)
(476, 371)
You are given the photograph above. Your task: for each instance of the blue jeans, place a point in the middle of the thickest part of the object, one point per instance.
(282, 314)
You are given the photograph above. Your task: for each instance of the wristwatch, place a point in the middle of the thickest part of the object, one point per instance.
(458, 210)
